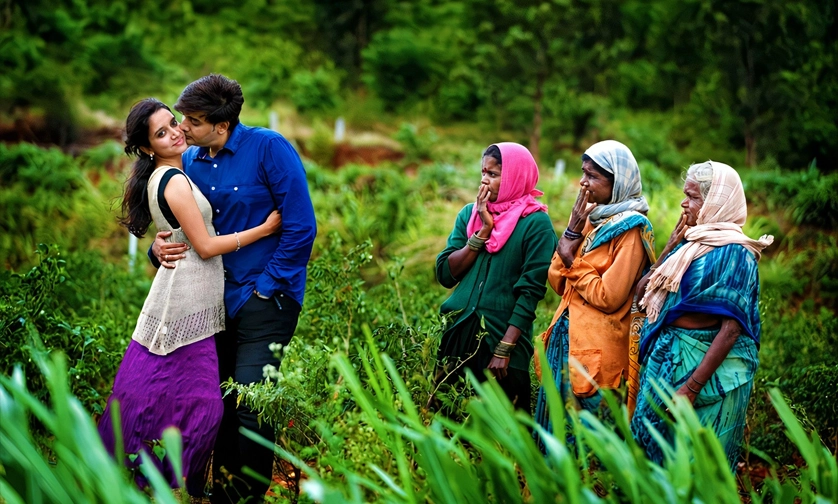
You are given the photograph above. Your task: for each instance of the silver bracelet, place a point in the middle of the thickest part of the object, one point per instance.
(238, 243)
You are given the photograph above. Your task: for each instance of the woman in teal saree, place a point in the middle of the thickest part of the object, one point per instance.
(702, 331)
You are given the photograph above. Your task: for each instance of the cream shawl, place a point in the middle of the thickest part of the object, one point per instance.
(720, 222)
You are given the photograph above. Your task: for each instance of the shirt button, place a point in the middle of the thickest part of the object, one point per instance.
(217, 211)
(215, 166)
(235, 188)
(218, 233)
(213, 188)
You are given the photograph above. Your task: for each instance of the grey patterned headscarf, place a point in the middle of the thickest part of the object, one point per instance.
(618, 160)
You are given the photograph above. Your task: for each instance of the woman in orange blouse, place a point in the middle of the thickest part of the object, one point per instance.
(600, 257)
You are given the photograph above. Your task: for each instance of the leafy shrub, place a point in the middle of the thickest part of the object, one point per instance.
(320, 146)
(84, 308)
(417, 146)
(648, 137)
(299, 398)
(654, 179)
(315, 91)
(493, 458)
(808, 197)
(815, 263)
(375, 203)
(45, 198)
(797, 356)
(459, 95)
(403, 64)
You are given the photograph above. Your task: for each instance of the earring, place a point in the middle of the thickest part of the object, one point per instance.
(151, 156)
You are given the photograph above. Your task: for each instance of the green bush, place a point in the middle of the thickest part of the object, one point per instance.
(315, 91)
(417, 146)
(45, 197)
(320, 147)
(375, 203)
(300, 397)
(808, 197)
(403, 65)
(797, 356)
(80, 306)
(492, 457)
(459, 94)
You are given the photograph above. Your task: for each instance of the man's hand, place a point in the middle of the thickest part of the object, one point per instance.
(167, 253)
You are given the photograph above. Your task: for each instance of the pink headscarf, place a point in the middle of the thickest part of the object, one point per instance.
(516, 196)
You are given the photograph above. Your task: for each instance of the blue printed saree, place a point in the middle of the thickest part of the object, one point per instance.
(724, 283)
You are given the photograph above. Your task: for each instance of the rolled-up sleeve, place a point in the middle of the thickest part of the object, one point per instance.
(456, 241)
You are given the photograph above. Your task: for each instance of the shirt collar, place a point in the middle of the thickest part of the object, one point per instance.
(232, 144)
(235, 138)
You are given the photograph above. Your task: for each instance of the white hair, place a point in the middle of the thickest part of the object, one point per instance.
(702, 174)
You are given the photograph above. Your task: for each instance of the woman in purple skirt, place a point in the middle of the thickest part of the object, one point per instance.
(169, 375)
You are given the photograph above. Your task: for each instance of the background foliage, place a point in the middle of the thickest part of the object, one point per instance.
(753, 80)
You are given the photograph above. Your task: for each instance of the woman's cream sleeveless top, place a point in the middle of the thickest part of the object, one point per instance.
(185, 304)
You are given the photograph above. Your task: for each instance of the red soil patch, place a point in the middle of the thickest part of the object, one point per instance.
(370, 155)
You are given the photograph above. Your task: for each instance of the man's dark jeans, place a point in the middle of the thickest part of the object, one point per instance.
(242, 353)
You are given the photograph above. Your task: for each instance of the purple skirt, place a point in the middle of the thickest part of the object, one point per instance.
(180, 389)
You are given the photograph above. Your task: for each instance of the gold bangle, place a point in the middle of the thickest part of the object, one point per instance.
(238, 243)
(501, 342)
(501, 356)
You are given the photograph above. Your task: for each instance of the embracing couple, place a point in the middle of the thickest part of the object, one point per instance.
(212, 186)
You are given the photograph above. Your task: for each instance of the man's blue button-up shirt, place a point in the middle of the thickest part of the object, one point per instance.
(256, 172)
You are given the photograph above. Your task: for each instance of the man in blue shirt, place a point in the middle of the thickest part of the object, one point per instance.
(246, 173)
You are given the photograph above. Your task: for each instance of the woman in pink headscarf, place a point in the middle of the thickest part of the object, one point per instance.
(496, 260)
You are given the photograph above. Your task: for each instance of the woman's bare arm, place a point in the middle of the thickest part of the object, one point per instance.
(179, 196)
(716, 354)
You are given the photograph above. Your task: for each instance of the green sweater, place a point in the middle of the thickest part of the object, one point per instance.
(503, 288)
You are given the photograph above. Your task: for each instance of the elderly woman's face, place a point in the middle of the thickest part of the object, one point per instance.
(596, 183)
(693, 202)
(491, 176)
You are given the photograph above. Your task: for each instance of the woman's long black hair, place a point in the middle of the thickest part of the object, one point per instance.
(136, 215)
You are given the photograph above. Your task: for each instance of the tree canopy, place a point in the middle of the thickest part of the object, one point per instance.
(758, 76)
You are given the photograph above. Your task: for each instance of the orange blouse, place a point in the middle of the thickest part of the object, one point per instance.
(598, 289)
